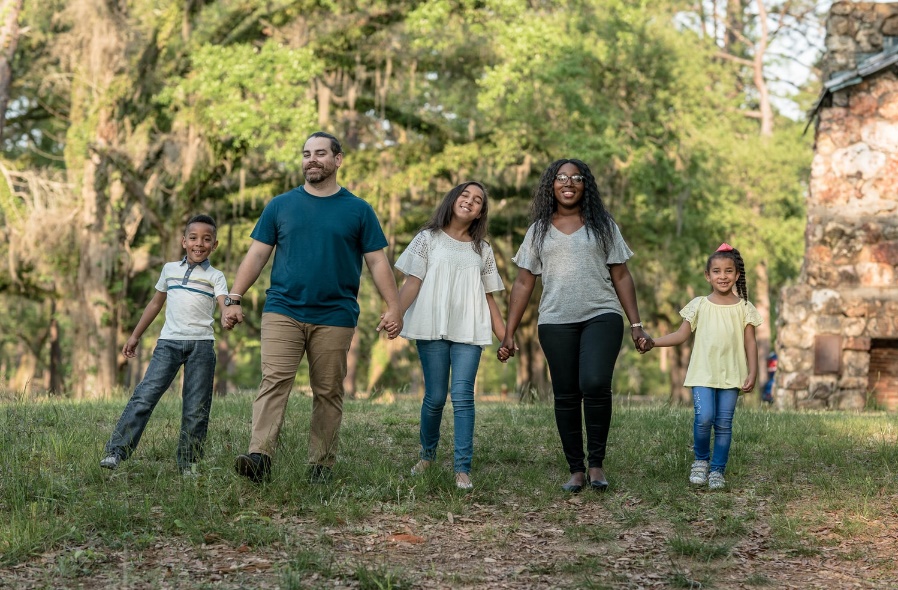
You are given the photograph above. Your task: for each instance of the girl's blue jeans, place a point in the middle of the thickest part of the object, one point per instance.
(440, 360)
(198, 359)
(713, 407)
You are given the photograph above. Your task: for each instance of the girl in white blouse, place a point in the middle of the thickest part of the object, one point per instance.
(450, 312)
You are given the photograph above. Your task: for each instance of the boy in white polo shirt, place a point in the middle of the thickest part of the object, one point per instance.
(191, 287)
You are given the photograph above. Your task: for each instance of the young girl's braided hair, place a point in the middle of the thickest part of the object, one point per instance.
(727, 251)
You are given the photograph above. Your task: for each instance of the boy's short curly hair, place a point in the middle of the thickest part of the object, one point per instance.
(202, 219)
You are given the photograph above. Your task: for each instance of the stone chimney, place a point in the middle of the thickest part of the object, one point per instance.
(837, 332)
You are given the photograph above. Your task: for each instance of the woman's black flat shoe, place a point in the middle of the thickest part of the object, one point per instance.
(571, 487)
(599, 485)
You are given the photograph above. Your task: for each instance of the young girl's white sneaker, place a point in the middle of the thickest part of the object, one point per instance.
(698, 473)
(716, 481)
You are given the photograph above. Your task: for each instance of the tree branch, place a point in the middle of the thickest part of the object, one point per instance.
(734, 58)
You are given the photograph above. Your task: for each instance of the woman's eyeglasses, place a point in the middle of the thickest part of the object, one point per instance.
(576, 179)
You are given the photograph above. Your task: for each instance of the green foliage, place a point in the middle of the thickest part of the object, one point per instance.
(211, 103)
(254, 99)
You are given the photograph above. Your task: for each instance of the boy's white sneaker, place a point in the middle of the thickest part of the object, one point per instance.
(698, 473)
(716, 481)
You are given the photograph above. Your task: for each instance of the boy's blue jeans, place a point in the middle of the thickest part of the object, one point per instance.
(198, 359)
(437, 356)
(713, 407)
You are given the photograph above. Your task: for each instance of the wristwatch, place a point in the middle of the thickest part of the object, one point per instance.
(636, 325)
(229, 301)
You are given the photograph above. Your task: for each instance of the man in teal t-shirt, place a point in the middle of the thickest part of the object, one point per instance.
(319, 233)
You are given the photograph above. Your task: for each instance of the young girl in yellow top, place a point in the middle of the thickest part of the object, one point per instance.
(724, 360)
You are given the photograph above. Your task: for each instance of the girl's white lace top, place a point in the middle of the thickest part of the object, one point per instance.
(451, 304)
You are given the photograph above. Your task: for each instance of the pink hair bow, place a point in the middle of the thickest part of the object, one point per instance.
(725, 248)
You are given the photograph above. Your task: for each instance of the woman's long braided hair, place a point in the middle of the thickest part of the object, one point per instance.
(736, 257)
(599, 223)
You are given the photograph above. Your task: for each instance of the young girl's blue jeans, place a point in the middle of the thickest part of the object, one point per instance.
(198, 360)
(713, 407)
(440, 360)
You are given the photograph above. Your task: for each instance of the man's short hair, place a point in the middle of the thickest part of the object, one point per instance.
(336, 148)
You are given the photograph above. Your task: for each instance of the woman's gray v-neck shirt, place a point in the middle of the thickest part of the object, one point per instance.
(574, 269)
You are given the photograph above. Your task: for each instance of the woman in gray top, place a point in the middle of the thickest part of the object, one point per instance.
(576, 247)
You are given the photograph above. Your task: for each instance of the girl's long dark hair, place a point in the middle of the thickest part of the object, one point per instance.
(443, 215)
(599, 223)
(736, 257)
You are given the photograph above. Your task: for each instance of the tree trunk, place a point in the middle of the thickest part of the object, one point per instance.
(223, 366)
(9, 39)
(383, 353)
(761, 300)
(26, 367)
(531, 382)
(679, 362)
(94, 366)
(352, 366)
(55, 383)
(764, 105)
(734, 39)
(99, 57)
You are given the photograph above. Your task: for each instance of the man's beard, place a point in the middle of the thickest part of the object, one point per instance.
(318, 175)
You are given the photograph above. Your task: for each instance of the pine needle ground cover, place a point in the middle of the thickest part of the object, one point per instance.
(810, 504)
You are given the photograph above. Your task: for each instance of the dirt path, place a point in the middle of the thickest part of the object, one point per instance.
(483, 549)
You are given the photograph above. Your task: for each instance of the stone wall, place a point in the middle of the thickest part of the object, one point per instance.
(855, 30)
(847, 286)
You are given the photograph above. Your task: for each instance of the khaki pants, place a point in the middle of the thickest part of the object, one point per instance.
(284, 341)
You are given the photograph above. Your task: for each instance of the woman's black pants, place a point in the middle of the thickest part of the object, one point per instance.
(581, 359)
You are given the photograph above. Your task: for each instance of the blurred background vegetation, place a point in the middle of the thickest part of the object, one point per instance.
(125, 117)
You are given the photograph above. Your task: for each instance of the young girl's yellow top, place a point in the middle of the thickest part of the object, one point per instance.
(718, 352)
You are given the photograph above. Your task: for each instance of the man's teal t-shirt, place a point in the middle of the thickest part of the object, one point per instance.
(319, 244)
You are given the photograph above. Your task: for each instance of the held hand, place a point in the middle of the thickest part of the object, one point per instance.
(391, 322)
(507, 348)
(130, 348)
(644, 345)
(232, 316)
(502, 354)
(642, 340)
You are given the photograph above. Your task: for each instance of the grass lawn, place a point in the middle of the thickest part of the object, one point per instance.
(811, 503)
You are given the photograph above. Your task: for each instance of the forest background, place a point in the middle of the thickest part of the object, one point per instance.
(125, 117)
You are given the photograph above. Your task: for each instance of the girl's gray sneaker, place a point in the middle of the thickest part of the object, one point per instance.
(110, 461)
(698, 474)
(716, 481)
